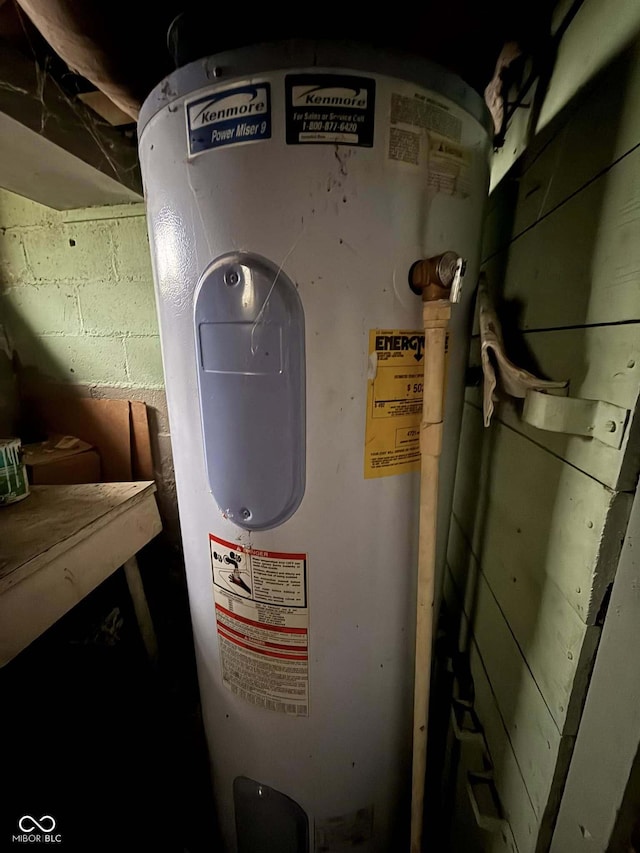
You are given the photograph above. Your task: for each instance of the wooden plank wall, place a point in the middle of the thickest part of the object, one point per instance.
(539, 518)
(600, 32)
(609, 736)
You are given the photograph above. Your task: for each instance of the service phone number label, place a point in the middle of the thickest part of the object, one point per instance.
(330, 109)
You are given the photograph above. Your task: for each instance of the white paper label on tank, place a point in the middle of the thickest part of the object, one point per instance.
(420, 111)
(449, 167)
(229, 116)
(404, 146)
(262, 618)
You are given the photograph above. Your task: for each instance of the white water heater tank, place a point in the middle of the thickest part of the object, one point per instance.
(289, 190)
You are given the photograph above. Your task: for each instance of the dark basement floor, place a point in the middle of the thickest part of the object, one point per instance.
(92, 736)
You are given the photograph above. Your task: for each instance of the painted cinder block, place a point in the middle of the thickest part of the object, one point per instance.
(45, 309)
(131, 248)
(17, 211)
(118, 307)
(79, 251)
(87, 275)
(75, 358)
(13, 262)
(144, 361)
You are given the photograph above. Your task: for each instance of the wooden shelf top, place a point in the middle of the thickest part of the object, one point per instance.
(54, 518)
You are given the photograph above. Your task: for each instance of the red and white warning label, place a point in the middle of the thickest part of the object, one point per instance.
(263, 625)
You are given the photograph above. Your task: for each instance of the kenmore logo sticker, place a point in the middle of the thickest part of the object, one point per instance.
(329, 96)
(249, 101)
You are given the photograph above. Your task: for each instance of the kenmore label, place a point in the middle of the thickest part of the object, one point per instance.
(330, 109)
(229, 117)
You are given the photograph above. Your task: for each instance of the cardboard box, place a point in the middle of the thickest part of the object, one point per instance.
(117, 429)
(62, 460)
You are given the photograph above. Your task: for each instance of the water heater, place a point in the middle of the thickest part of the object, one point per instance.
(290, 188)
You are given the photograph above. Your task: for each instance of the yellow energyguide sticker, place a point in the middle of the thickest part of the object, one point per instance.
(394, 402)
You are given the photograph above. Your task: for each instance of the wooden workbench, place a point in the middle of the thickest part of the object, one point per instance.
(59, 544)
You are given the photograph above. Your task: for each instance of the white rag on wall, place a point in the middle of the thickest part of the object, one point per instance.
(499, 371)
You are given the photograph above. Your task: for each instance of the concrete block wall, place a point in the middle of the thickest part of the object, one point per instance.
(77, 293)
(77, 306)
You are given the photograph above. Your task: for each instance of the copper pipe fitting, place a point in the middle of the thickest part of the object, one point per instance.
(432, 278)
